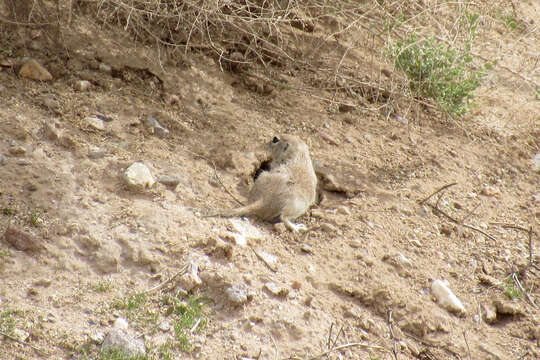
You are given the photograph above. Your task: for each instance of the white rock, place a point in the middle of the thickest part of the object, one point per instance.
(121, 340)
(245, 230)
(536, 162)
(268, 258)
(190, 280)
(21, 334)
(138, 176)
(237, 294)
(83, 85)
(95, 123)
(97, 337)
(276, 289)
(121, 324)
(446, 297)
(402, 260)
(165, 326)
(105, 68)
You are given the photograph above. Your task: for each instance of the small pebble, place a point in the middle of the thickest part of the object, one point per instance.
(22, 240)
(105, 68)
(138, 177)
(97, 337)
(96, 153)
(164, 326)
(446, 297)
(343, 210)
(237, 294)
(328, 228)
(17, 150)
(168, 180)
(83, 85)
(326, 137)
(95, 123)
(35, 71)
(276, 289)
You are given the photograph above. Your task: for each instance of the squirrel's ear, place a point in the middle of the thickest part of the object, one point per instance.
(286, 146)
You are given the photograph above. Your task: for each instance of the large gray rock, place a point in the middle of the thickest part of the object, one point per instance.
(118, 339)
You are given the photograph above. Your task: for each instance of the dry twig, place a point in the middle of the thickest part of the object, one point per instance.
(392, 335)
(161, 285)
(436, 192)
(38, 350)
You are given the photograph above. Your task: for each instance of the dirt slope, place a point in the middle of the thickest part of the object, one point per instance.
(370, 253)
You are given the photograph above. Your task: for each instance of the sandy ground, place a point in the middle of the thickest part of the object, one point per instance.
(361, 274)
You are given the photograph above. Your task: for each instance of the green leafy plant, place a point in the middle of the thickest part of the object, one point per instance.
(511, 290)
(102, 286)
(130, 303)
(7, 321)
(438, 72)
(35, 218)
(191, 316)
(8, 211)
(115, 354)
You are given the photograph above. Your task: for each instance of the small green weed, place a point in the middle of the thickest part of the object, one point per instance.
(115, 354)
(102, 286)
(7, 321)
(35, 218)
(438, 72)
(131, 302)
(8, 211)
(137, 309)
(191, 315)
(512, 290)
(4, 254)
(164, 351)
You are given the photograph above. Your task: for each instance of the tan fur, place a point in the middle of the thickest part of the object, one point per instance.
(287, 190)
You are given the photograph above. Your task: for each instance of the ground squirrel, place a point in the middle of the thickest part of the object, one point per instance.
(286, 190)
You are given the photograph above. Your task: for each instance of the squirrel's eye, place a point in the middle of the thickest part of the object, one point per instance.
(275, 139)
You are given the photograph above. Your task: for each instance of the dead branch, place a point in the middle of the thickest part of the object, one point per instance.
(527, 296)
(392, 335)
(161, 285)
(263, 260)
(38, 350)
(437, 191)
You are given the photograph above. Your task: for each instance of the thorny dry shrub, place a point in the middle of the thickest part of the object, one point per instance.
(317, 36)
(341, 46)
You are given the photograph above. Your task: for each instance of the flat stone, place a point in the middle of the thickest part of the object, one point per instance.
(508, 307)
(268, 258)
(446, 297)
(83, 85)
(276, 289)
(17, 150)
(118, 339)
(237, 294)
(96, 153)
(489, 313)
(97, 337)
(168, 180)
(22, 240)
(35, 71)
(50, 132)
(95, 122)
(105, 68)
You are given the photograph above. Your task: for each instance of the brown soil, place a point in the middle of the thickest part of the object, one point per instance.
(89, 229)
